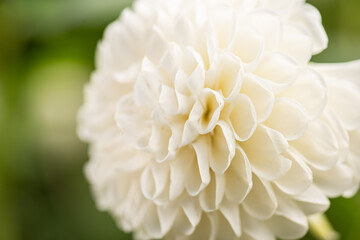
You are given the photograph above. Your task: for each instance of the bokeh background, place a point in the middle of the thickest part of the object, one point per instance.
(47, 52)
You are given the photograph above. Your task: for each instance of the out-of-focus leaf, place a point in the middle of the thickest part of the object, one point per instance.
(341, 20)
(41, 17)
(8, 221)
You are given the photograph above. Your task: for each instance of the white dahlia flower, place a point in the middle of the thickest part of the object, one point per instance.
(206, 121)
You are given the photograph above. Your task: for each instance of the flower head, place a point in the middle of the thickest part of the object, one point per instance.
(206, 120)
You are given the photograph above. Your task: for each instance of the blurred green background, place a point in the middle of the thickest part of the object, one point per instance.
(47, 52)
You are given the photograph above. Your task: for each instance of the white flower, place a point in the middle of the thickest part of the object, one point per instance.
(206, 121)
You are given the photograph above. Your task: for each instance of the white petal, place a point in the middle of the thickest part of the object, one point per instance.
(263, 150)
(137, 162)
(261, 96)
(212, 104)
(211, 44)
(222, 148)
(171, 61)
(309, 18)
(279, 69)
(182, 76)
(148, 183)
(312, 201)
(296, 43)
(167, 215)
(204, 230)
(282, 7)
(116, 44)
(168, 100)
(309, 90)
(152, 223)
(196, 80)
(154, 179)
(289, 118)
(289, 222)
(344, 98)
(337, 126)
(211, 197)
(298, 178)
(159, 142)
(243, 117)
(248, 44)
(232, 214)
(254, 228)
(151, 72)
(157, 45)
(344, 76)
(181, 226)
(269, 25)
(225, 75)
(184, 31)
(192, 178)
(335, 181)
(238, 177)
(177, 178)
(191, 60)
(185, 174)
(192, 210)
(192, 125)
(177, 128)
(130, 118)
(355, 142)
(353, 161)
(144, 93)
(261, 202)
(128, 75)
(354, 164)
(163, 197)
(203, 152)
(347, 71)
(319, 146)
(135, 201)
(184, 102)
(224, 227)
(205, 43)
(223, 19)
(132, 22)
